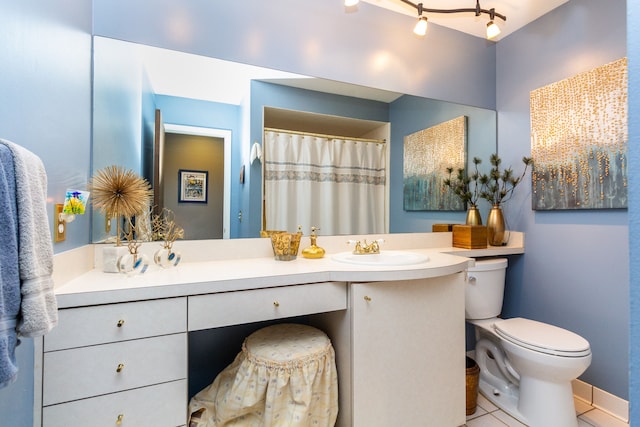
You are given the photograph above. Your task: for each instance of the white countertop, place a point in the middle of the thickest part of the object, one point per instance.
(241, 264)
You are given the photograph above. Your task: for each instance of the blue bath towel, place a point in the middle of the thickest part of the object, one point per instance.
(9, 273)
(38, 307)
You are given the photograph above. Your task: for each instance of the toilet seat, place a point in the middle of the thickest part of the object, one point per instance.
(542, 337)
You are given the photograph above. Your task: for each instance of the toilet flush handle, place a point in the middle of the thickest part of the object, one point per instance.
(470, 279)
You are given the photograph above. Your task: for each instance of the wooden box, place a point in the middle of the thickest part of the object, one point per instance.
(469, 236)
(441, 227)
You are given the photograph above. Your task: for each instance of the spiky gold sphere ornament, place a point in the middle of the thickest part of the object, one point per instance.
(120, 192)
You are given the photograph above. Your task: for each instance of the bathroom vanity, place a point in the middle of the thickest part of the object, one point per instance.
(119, 355)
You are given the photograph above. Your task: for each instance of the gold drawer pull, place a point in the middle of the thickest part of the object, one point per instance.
(119, 419)
(276, 304)
(367, 298)
(120, 323)
(120, 367)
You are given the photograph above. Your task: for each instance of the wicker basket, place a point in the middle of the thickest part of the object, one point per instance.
(473, 376)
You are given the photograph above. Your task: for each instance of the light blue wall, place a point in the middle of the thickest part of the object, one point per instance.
(117, 127)
(45, 93)
(575, 273)
(318, 38)
(633, 55)
(117, 104)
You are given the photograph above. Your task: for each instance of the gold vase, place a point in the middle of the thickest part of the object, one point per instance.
(473, 216)
(497, 234)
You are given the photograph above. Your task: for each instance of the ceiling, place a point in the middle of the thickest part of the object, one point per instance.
(518, 12)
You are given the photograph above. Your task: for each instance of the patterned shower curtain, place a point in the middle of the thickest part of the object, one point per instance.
(335, 184)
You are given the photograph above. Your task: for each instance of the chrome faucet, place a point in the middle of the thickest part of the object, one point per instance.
(366, 248)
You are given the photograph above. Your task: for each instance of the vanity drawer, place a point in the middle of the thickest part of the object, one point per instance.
(163, 405)
(78, 327)
(233, 308)
(91, 371)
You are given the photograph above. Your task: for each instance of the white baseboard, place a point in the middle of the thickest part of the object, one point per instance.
(607, 402)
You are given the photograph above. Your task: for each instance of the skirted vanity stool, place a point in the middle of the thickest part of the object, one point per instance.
(285, 375)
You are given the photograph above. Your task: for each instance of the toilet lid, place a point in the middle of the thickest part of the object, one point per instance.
(542, 337)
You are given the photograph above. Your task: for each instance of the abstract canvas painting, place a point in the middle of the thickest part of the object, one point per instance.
(427, 155)
(579, 141)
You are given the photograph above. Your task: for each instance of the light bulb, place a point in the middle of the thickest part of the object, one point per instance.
(421, 26)
(349, 3)
(492, 30)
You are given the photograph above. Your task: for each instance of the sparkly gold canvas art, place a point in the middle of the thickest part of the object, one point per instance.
(579, 141)
(427, 155)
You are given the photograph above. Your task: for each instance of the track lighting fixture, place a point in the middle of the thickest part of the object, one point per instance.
(492, 29)
(421, 27)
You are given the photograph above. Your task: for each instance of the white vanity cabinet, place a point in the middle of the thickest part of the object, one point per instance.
(407, 364)
(119, 353)
(117, 365)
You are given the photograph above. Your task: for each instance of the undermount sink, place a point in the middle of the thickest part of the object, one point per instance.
(386, 258)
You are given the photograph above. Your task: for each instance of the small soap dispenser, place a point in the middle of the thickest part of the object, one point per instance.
(313, 251)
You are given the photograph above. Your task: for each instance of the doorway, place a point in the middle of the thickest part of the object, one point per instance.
(198, 149)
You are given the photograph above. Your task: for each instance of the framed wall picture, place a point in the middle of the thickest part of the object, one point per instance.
(427, 155)
(192, 186)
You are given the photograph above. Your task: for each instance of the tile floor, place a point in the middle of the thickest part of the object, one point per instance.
(488, 415)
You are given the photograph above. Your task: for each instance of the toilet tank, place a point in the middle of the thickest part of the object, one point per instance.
(484, 288)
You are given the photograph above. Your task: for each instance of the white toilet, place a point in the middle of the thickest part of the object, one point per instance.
(526, 367)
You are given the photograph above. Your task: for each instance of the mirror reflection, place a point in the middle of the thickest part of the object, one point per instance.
(155, 124)
(330, 182)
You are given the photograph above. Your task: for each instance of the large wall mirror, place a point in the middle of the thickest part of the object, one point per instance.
(141, 103)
